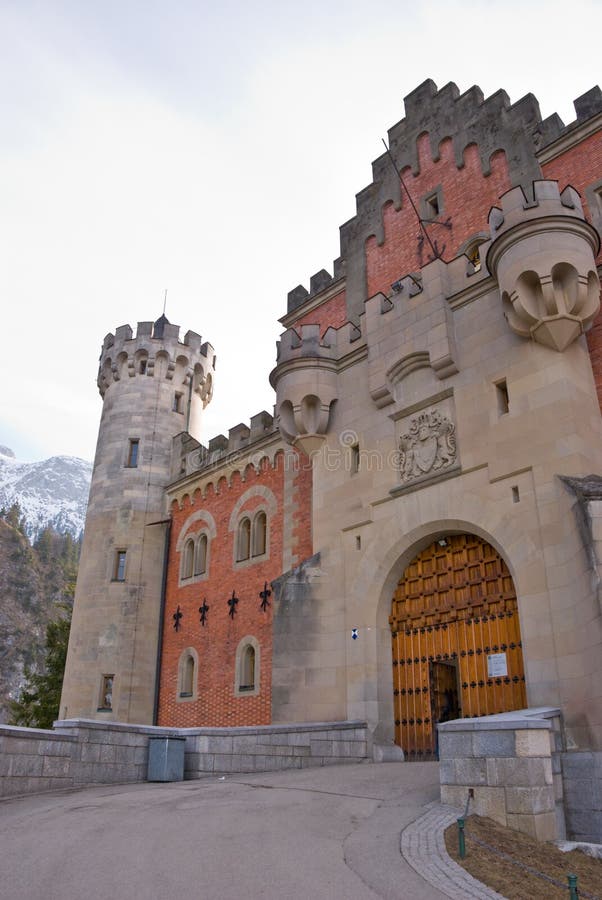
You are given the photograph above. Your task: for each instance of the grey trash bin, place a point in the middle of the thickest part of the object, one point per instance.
(166, 759)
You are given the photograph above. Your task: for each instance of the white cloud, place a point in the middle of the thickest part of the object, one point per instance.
(216, 154)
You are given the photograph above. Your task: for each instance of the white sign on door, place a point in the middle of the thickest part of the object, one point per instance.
(497, 665)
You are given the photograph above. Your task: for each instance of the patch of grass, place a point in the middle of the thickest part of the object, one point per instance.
(513, 881)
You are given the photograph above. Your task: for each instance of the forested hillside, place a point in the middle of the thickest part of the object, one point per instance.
(37, 582)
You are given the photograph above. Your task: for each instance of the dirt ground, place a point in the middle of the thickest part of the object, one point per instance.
(513, 881)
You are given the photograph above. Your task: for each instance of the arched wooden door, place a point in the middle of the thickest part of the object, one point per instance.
(457, 648)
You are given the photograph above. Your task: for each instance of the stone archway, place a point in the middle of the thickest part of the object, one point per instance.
(456, 640)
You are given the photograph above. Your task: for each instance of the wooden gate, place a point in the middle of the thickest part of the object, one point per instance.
(457, 649)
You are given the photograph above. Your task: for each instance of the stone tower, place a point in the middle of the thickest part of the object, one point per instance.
(153, 386)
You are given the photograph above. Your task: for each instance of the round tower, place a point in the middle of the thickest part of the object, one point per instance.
(153, 386)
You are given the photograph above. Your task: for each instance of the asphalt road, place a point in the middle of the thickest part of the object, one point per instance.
(316, 834)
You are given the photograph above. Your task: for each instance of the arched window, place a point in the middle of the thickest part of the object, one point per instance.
(247, 667)
(243, 550)
(188, 559)
(474, 256)
(187, 677)
(247, 670)
(187, 674)
(259, 534)
(200, 555)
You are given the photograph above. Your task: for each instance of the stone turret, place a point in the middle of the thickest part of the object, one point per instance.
(305, 381)
(153, 386)
(543, 257)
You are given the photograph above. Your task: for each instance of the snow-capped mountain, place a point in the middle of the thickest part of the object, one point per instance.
(50, 492)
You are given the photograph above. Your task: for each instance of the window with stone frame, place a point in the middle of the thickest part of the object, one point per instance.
(247, 667)
(243, 539)
(105, 699)
(119, 565)
(200, 555)
(187, 675)
(259, 534)
(187, 560)
(133, 450)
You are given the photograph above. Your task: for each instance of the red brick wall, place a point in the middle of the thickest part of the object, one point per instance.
(580, 167)
(216, 642)
(467, 198)
(331, 314)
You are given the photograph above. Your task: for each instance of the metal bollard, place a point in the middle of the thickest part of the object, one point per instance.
(462, 841)
(573, 892)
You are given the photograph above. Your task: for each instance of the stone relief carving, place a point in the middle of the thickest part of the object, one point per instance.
(428, 445)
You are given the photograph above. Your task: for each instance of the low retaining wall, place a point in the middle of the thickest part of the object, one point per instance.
(34, 760)
(79, 752)
(582, 779)
(268, 748)
(511, 763)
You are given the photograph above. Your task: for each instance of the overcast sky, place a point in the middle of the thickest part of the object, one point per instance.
(212, 149)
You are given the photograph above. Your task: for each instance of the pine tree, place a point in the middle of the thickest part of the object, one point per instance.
(55, 559)
(38, 705)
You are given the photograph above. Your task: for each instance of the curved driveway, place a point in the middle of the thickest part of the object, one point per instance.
(316, 834)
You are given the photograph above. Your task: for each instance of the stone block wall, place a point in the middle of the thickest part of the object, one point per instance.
(79, 752)
(582, 780)
(108, 752)
(273, 747)
(509, 765)
(34, 760)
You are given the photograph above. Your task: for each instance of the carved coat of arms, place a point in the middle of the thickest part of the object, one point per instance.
(428, 445)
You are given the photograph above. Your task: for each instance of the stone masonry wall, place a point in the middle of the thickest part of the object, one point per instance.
(511, 764)
(85, 752)
(582, 780)
(33, 760)
(268, 749)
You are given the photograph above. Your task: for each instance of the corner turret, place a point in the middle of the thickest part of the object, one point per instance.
(543, 257)
(154, 386)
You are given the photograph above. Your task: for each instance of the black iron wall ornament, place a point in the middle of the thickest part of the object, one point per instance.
(265, 594)
(176, 618)
(203, 610)
(232, 604)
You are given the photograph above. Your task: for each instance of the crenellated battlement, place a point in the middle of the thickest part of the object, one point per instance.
(156, 349)
(191, 456)
(491, 124)
(318, 283)
(543, 198)
(304, 343)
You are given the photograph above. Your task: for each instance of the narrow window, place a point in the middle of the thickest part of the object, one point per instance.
(143, 367)
(119, 568)
(105, 700)
(247, 669)
(188, 559)
(358, 542)
(474, 256)
(187, 677)
(259, 534)
(200, 556)
(515, 494)
(177, 402)
(133, 453)
(503, 401)
(355, 458)
(432, 206)
(244, 540)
